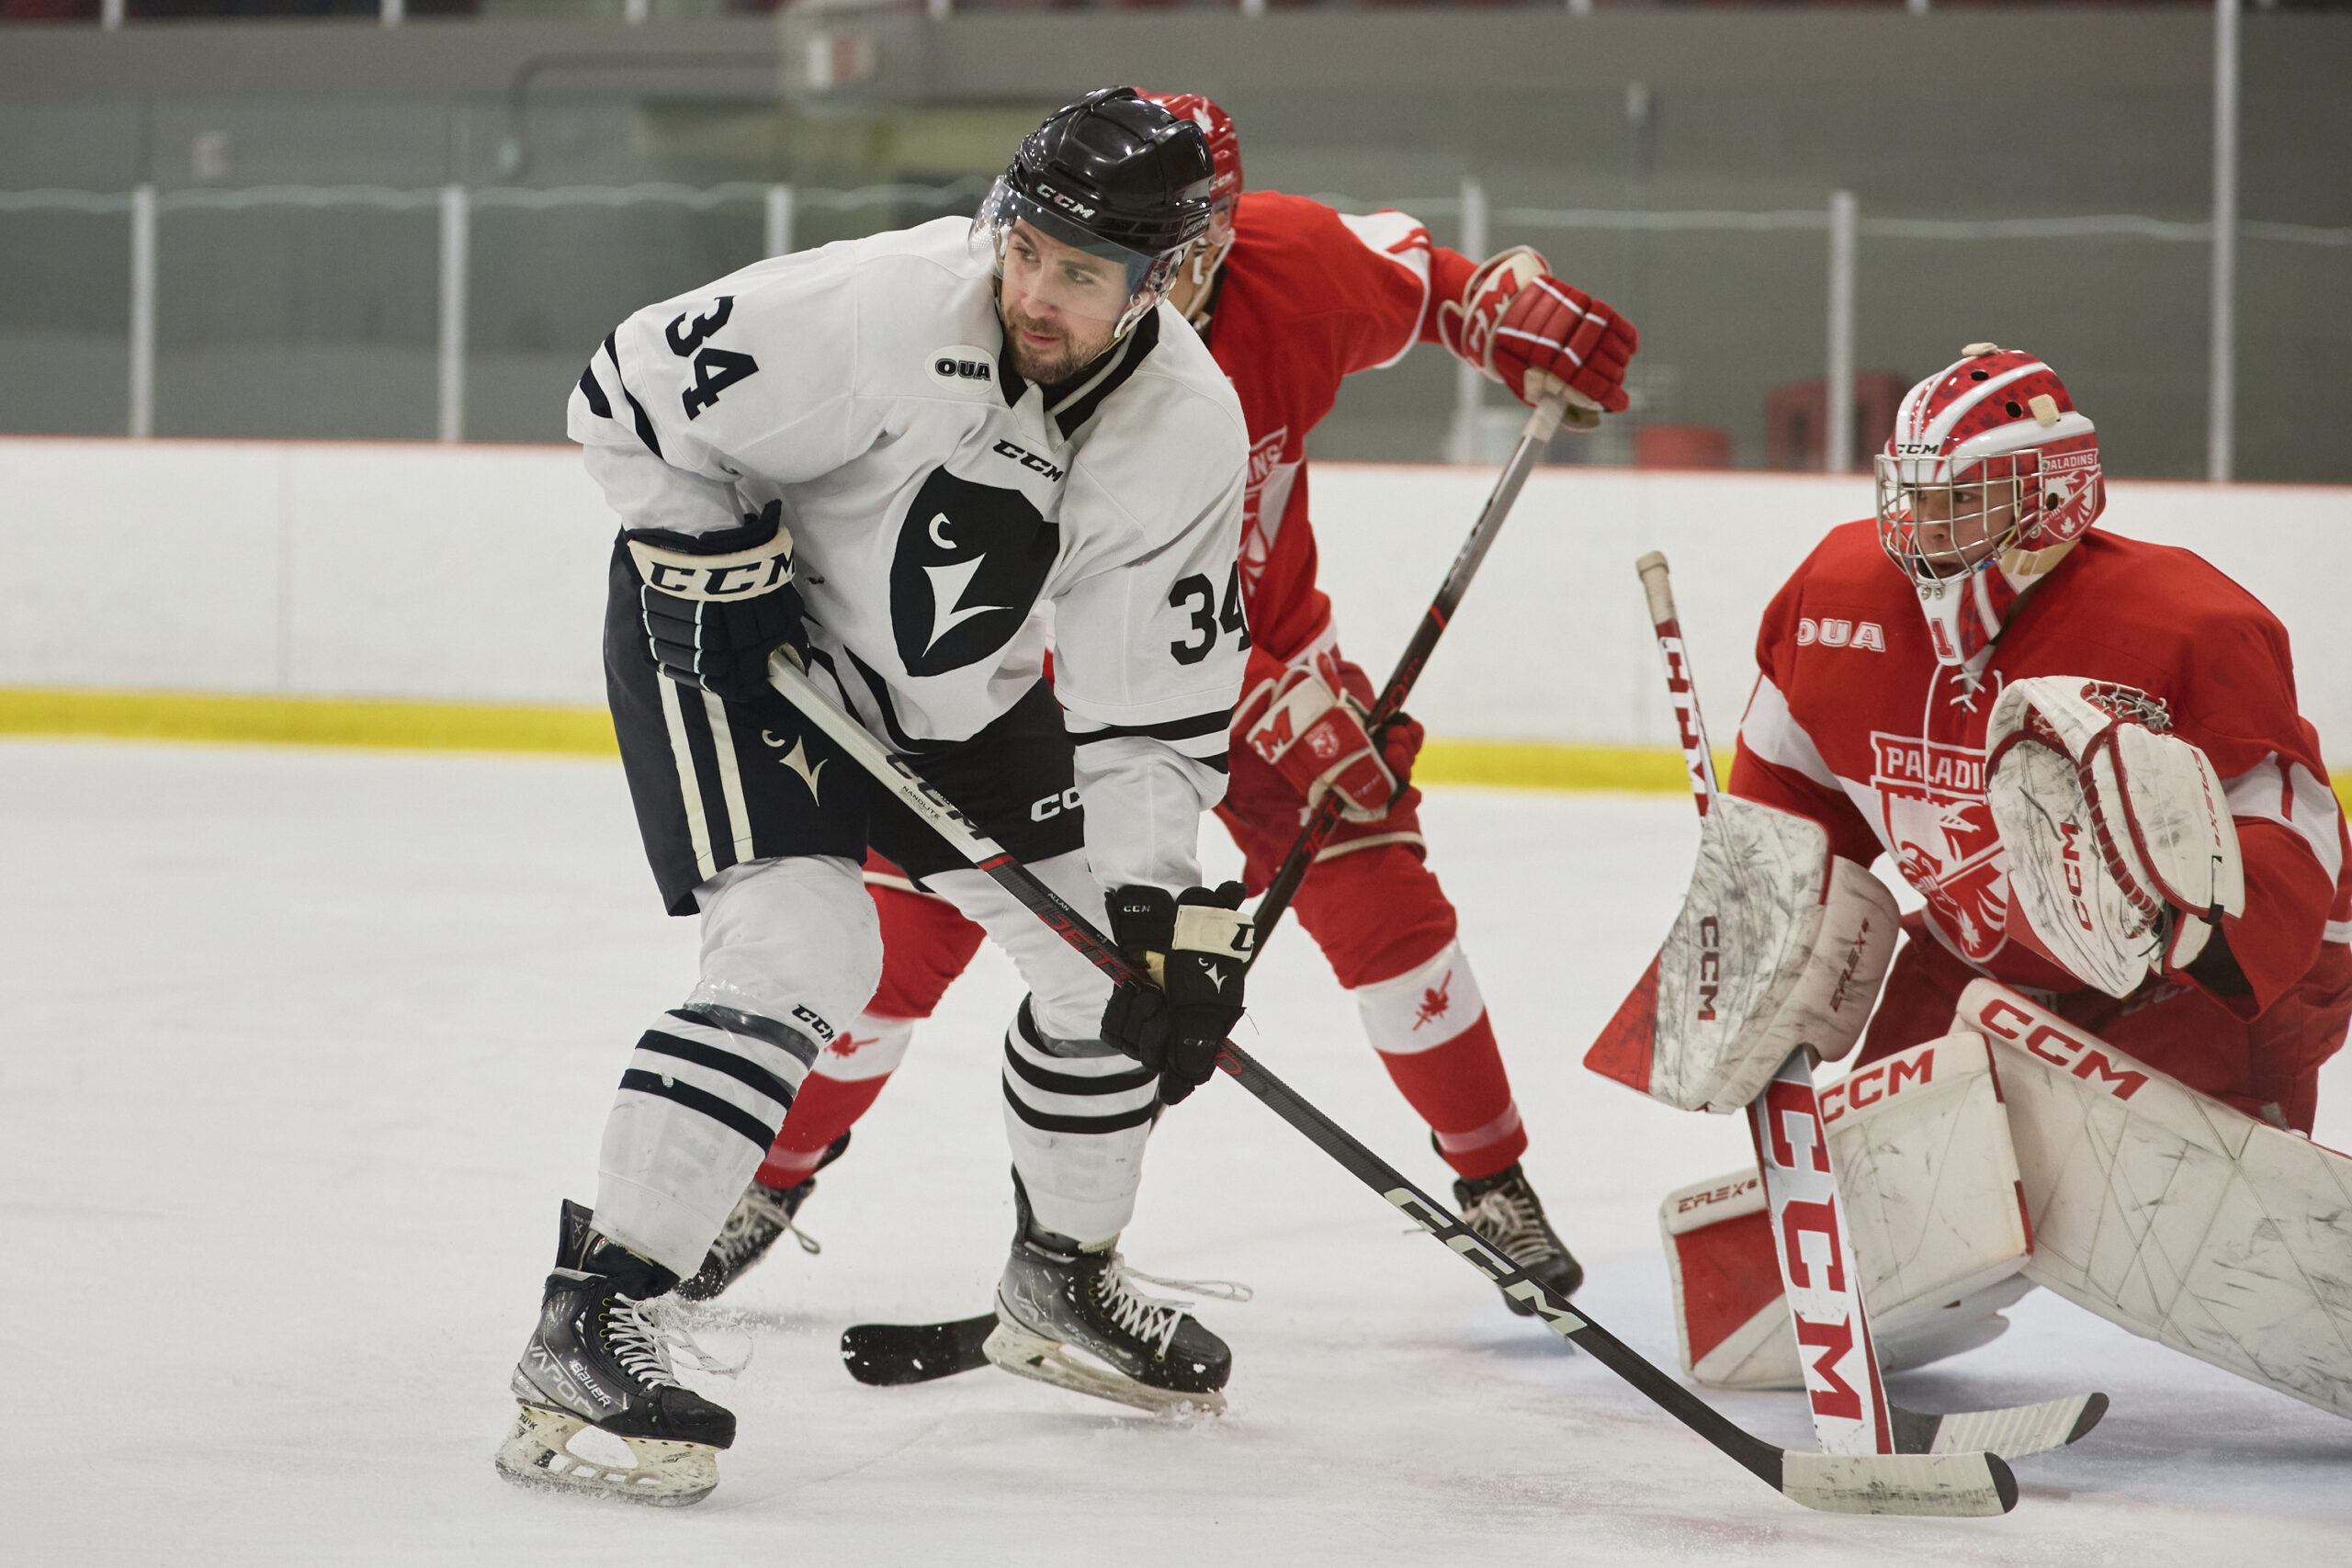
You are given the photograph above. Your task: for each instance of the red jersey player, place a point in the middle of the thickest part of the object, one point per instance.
(1292, 297)
(1870, 717)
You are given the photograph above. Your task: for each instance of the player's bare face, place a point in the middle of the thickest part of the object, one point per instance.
(1958, 525)
(1060, 305)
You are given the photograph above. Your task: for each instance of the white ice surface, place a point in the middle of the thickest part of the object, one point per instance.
(300, 1050)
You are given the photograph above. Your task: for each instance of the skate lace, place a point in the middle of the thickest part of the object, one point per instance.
(644, 1336)
(1511, 1222)
(740, 1237)
(1155, 1319)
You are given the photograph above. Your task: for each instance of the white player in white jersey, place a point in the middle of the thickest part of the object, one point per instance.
(902, 462)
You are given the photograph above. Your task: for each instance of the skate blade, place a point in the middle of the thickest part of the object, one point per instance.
(666, 1474)
(1028, 1355)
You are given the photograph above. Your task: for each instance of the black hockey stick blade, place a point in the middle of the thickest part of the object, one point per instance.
(889, 1354)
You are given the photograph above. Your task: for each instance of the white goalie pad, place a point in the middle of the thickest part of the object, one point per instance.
(2121, 847)
(1929, 1184)
(2169, 1213)
(1780, 945)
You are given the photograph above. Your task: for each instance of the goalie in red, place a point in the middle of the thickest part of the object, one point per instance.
(2104, 1029)
(2004, 611)
(1292, 297)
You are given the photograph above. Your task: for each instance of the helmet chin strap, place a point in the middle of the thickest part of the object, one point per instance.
(1202, 269)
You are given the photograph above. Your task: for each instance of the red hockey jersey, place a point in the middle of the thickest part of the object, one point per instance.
(1855, 725)
(1309, 297)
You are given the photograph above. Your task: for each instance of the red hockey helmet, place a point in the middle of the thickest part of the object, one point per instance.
(1225, 147)
(1989, 478)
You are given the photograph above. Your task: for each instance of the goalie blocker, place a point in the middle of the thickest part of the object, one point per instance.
(1780, 945)
(2021, 1151)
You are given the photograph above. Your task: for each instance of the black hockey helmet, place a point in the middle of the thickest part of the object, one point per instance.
(1116, 176)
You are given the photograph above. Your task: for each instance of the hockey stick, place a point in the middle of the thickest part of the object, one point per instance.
(1958, 1484)
(1851, 1413)
(1543, 423)
(890, 1354)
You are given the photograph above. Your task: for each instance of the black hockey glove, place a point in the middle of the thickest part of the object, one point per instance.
(1196, 948)
(717, 605)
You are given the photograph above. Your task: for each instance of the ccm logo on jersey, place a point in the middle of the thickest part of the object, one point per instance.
(1029, 460)
(962, 367)
(822, 1030)
(1053, 805)
(2060, 1049)
(1830, 632)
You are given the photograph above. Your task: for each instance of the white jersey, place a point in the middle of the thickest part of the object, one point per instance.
(946, 520)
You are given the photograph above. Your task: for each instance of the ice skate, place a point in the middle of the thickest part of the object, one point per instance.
(1504, 1209)
(600, 1358)
(762, 1215)
(1072, 1317)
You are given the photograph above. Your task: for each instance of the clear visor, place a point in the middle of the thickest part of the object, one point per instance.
(1047, 265)
(1939, 519)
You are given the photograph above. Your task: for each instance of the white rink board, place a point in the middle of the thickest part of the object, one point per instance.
(475, 573)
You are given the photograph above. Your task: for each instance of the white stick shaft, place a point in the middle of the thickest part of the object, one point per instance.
(1698, 757)
(1820, 1276)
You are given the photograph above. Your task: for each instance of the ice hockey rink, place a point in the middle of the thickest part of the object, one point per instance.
(304, 1047)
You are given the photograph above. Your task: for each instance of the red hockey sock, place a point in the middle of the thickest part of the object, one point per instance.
(1430, 1028)
(822, 1111)
(841, 1087)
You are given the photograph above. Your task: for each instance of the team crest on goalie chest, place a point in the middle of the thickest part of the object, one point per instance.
(1934, 821)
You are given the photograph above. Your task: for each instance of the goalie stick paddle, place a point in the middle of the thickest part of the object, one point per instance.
(1851, 1413)
(1973, 1483)
(889, 1354)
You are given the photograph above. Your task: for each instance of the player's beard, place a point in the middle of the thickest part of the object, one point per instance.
(1067, 358)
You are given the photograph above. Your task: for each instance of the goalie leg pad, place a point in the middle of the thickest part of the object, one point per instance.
(1931, 1189)
(2171, 1214)
(1778, 945)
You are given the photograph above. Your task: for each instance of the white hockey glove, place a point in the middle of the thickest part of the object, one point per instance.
(717, 604)
(2122, 855)
(1780, 945)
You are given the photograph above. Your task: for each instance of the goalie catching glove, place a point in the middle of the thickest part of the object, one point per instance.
(1312, 734)
(1195, 948)
(2123, 855)
(717, 604)
(1780, 945)
(1539, 336)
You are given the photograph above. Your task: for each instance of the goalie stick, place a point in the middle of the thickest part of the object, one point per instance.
(1934, 1483)
(1851, 1411)
(890, 1354)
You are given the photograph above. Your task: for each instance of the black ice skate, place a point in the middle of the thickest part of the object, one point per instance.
(1505, 1211)
(600, 1358)
(1058, 1303)
(763, 1214)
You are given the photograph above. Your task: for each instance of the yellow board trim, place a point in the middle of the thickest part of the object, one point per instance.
(588, 732)
(305, 721)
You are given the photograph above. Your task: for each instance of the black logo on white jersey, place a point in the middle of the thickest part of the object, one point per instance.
(970, 560)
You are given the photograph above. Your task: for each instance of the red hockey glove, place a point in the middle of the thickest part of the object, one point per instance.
(1537, 336)
(1315, 738)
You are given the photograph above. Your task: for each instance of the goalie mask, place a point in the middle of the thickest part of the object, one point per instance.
(1989, 479)
(1116, 177)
